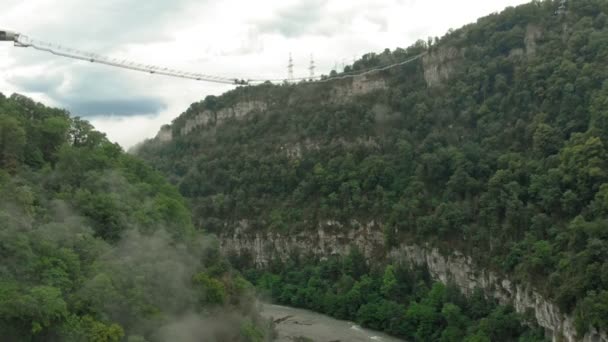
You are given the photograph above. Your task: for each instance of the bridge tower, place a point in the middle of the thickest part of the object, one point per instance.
(290, 68)
(311, 68)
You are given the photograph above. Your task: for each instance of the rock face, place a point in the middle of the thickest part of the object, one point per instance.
(360, 85)
(333, 238)
(341, 92)
(207, 117)
(165, 134)
(294, 151)
(533, 33)
(460, 270)
(440, 65)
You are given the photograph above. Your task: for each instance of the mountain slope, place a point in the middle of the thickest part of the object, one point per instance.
(96, 246)
(493, 144)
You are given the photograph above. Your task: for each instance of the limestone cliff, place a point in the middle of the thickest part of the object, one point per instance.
(210, 117)
(164, 134)
(440, 65)
(341, 91)
(533, 33)
(358, 86)
(333, 238)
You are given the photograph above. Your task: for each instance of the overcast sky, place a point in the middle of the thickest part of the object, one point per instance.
(236, 38)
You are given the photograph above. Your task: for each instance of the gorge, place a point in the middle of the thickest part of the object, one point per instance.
(482, 161)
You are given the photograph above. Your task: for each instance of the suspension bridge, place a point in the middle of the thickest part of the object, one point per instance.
(23, 41)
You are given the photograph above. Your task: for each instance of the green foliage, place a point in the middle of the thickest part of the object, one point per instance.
(395, 299)
(251, 333)
(96, 246)
(12, 142)
(596, 305)
(212, 290)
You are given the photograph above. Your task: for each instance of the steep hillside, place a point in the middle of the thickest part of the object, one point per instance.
(96, 246)
(491, 146)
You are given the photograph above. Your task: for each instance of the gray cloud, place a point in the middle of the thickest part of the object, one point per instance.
(315, 18)
(132, 21)
(378, 20)
(103, 27)
(92, 92)
(250, 44)
(119, 107)
(301, 19)
(40, 84)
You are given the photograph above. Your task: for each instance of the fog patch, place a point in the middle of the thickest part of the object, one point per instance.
(194, 328)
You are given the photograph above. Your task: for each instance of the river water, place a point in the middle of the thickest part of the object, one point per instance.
(292, 323)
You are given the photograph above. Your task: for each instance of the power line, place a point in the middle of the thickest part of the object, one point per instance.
(21, 40)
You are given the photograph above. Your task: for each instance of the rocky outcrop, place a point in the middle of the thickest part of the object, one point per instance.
(360, 85)
(165, 134)
(209, 117)
(533, 33)
(460, 270)
(295, 150)
(515, 53)
(341, 92)
(439, 65)
(333, 238)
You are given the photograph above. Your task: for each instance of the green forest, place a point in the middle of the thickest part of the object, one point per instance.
(506, 160)
(395, 299)
(96, 246)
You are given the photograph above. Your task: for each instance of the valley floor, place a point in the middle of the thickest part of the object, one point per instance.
(292, 323)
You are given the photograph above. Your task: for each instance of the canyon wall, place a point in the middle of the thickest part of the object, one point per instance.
(334, 238)
(209, 117)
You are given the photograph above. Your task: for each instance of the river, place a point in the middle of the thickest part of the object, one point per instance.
(292, 323)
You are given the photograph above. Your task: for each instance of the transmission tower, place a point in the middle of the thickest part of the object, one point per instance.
(311, 68)
(290, 68)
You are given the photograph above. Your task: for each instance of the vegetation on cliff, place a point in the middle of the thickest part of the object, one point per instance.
(504, 158)
(96, 246)
(394, 299)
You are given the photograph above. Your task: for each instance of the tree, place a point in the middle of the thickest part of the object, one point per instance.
(583, 163)
(355, 264)
(389, 283)
(456, 321)
(12, 143)
(82, 134)
(96, 245)
(546, 140)
(54, 133)
(599, 113)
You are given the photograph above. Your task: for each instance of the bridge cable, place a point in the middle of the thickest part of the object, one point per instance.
(21, 40)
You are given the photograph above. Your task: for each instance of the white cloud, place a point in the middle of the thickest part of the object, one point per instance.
(236, 38)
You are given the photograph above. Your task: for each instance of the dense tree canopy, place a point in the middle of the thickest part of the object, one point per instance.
(96, 246)
(394, 299)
